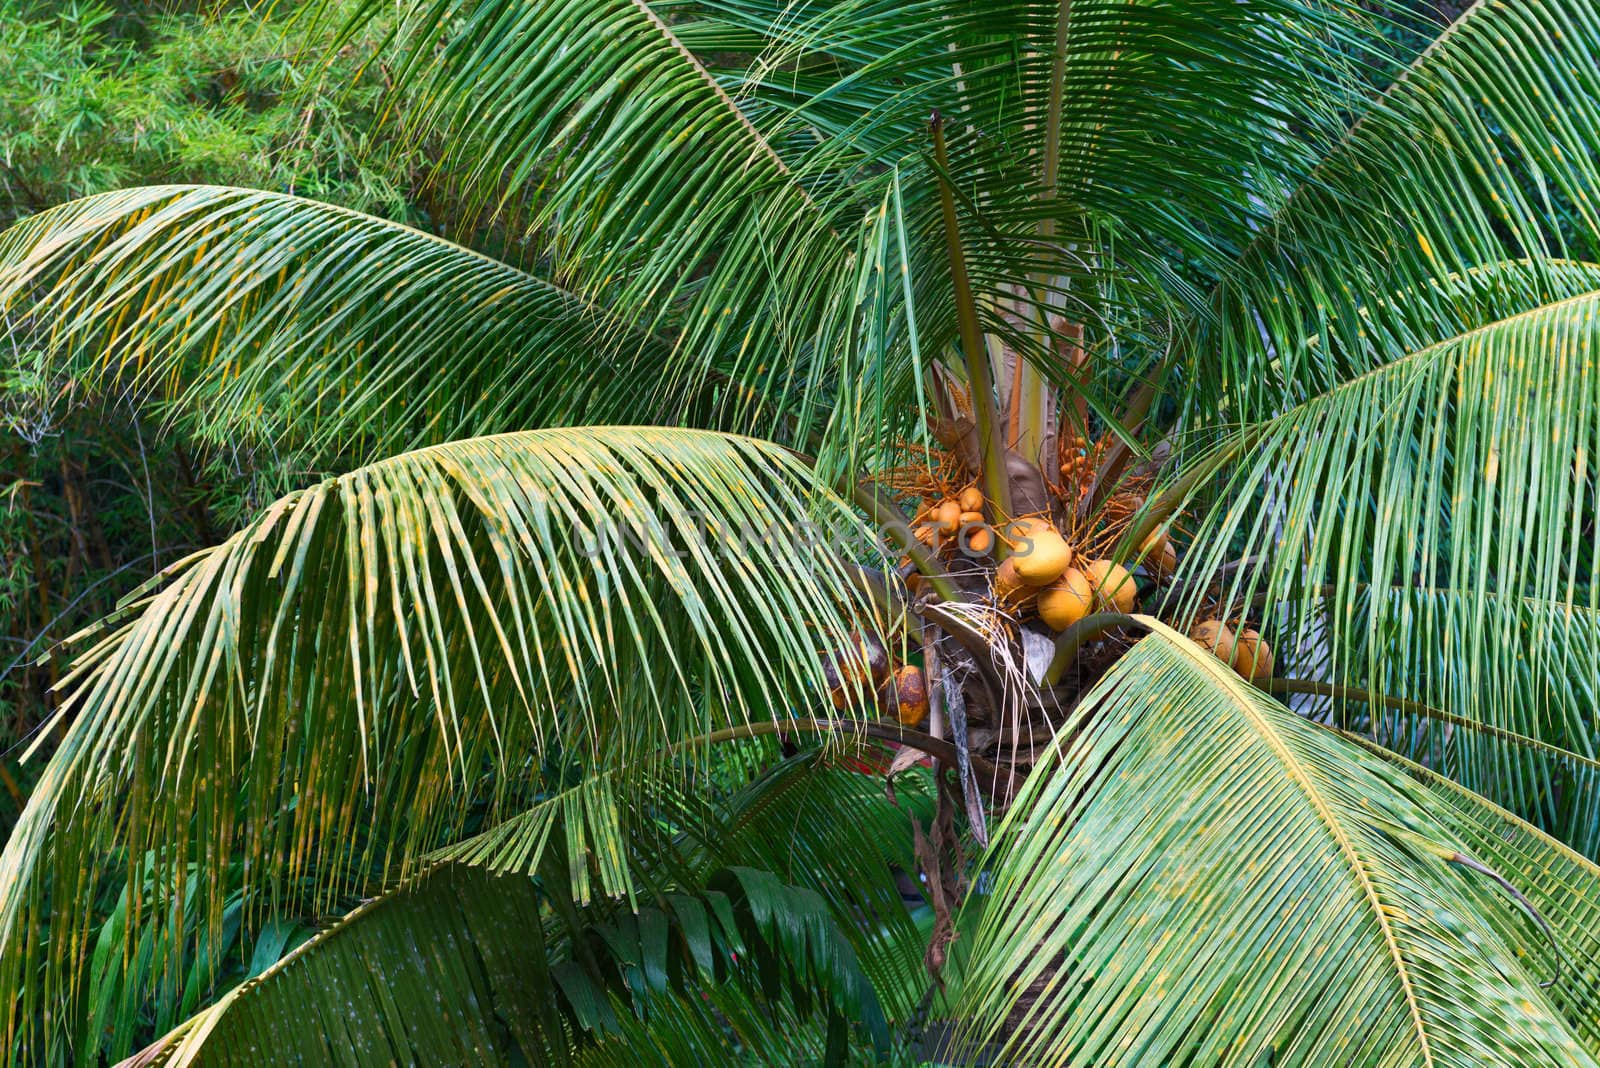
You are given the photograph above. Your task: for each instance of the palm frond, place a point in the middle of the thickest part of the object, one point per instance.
(1410, 536)
(1560, 884)
(814, 824)
(450, 968)
(1484, 150)
(323, 694)
(264, 314)
(562, 976)
(659, 193)
(1201, 875)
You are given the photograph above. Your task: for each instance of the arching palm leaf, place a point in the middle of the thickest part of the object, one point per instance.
(359, 337)
(1202, 875)
(1421, 475)
(710, 926)
(323, 694)
(1482, 151)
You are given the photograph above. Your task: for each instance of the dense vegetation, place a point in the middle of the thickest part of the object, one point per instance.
(94, 97)
(648, 547)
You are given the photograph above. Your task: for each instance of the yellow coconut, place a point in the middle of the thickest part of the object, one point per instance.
(1041, 556)
(1018, 529)
(1252, 656)
(970, 499)
(1113, 586)
(1066, 600)
(1214, 636)
(910, 695)
(948, 516)
(1008, 586)
(1153, 543)
(1168, 562)
(976, 540)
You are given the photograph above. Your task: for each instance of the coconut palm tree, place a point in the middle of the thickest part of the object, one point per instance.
(1155, 436)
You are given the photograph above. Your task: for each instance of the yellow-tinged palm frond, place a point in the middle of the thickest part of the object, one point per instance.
(1423, 532)
(354, 337)
(733, 904)
(323, 695)
(1200, 875)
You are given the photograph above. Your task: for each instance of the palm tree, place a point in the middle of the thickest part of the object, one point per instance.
(555, 718)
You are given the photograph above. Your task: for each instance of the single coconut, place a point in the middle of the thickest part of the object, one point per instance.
(1041, 556)
(1153, 542)
(853, 673)
(970, 499)
(1066, 600)
(1008, 586)
(1112, 585)
(1252, 657)
(910, 695)
(926, 533)
(1025, 527)
(1157, 554)
(974, 536)
(948, 516)
(1215, 637)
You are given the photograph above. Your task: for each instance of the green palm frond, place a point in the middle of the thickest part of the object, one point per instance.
(1530, 742)
(564, 98)
(1200, 875)
(597, 972)
(473, 954)
(821, 827)
(459, 620)
(1483, 150)
(1415, 539)
(1561, 885)
(266, 313)
(746, 170)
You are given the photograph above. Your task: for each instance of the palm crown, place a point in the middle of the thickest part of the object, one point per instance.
(1299, 288)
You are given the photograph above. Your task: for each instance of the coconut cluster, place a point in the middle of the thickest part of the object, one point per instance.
(1246, 652)
(957, 520)
(1044, 573)
(865, 675)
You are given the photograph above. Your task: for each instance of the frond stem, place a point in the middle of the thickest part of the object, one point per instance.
(882, 731)
(997, 488)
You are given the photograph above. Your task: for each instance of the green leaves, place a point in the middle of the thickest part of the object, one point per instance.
(300, 323)
(453, 968)
(326, 695)
(719, 957)
(1483, 151)
(1421, 531)
(1201, 875)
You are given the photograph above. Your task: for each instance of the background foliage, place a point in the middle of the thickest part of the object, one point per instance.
(95, 96)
